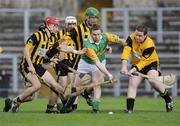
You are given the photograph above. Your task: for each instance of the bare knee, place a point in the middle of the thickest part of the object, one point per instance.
(36, 86)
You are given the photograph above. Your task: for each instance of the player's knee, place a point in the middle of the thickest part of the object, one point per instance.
(37, 86)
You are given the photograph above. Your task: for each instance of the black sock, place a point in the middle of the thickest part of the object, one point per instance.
(19, 100)
(130, 103)
(70, 101)
(64, 102)
(73, 89)
(50, 106)
(74, 106)
(86, 92)
(166, 96)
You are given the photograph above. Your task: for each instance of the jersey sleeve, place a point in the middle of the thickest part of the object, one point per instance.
(32, 40)
(91, 54)
(127, 49)
(112, 38)
(69, 41)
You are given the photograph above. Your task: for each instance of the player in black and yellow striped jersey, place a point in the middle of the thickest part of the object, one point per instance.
(65, 76)
(78, 34)
(39, 48)
(146, 61)
(31, 65)
(82, 31)
(70, 23)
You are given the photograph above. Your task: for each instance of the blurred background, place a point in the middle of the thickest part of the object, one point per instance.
(20, 18)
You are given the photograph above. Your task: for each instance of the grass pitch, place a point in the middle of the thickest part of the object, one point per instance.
(148, 112)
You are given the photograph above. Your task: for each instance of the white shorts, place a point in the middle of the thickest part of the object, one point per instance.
(84, 67)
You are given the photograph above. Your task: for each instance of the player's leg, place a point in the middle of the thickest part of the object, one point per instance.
(84, 67)
(134, 81)
(8, 101)
(53, 97)
(7, 104)
(71, 78)
(64, 82)
(52, 84)
(68, 106)
(75, 104)
(33, 79)
(161, 88)
(97, 76)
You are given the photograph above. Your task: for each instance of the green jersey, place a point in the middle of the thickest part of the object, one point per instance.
(95, 51)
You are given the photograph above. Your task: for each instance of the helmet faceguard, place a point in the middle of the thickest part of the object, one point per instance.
(71, 20)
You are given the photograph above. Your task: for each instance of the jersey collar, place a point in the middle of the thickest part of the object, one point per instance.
(97, 43)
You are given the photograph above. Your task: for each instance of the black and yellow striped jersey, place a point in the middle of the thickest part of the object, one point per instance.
(38, 43)
(143, 54)
(62, 33)
(78, 34)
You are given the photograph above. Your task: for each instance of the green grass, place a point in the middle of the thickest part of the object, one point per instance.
(148, 112)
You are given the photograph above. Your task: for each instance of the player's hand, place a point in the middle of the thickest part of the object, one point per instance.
(109, 49)
(112, 79)
(123, 41)
(83, 51)
(124, 71)
(54, 60)
(131, 71)
(32, 69)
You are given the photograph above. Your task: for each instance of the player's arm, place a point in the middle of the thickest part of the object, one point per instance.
(51, 52)
(127, 49)
(63, 48)
(58, 47)
(70, 49)
(115, 39)
(92, 55)
(103, 69)
(125, 55)
(61, 54)
(27, 55)
(29, 46)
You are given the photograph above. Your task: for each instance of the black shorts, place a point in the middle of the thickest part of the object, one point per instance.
(152, 66)
(63, 71)
(38, 67)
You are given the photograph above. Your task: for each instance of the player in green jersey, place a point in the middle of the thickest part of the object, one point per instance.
(93, 62)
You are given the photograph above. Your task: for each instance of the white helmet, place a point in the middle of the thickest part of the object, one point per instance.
(70, 19)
